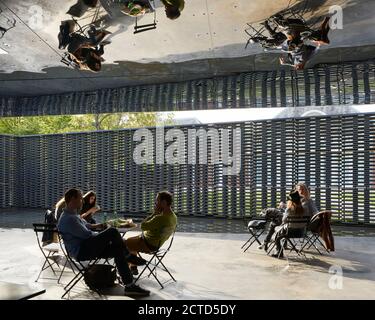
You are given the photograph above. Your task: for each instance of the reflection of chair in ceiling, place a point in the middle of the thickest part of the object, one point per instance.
(81, 34)
(288, 16)
(254, 32)
(10, 23)
(92, 17)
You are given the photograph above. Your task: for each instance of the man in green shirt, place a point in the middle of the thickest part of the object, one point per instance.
(173, 8)
(156, 228)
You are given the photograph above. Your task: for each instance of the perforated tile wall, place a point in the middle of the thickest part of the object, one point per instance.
(334, 155)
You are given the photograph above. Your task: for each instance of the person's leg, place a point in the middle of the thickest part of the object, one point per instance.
(108, 244)
(280, 233)
(258, 39)
(136, 244)
(270, 232)
(97, 36)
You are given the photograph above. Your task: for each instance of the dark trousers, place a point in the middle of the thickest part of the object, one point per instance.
(108, 244)
(271, 231)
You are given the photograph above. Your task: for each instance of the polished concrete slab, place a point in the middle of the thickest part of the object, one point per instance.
(212, 266)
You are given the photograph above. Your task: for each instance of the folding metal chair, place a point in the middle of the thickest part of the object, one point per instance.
(256, 227)
(292, 235)
(150, 26)
(254, 32)
(78, 265)
(290, 13)
(49, 251)
(155, 263)
(313, 236)
(312, 240)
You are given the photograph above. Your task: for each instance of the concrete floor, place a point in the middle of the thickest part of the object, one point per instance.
(212, 266)
(207, 40)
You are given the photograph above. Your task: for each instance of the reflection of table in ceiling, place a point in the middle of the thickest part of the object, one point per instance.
(13, 291)
(113, 7)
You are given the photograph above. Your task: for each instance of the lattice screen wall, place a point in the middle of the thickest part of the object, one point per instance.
(348, 83)
(334, 155)
(8, 166)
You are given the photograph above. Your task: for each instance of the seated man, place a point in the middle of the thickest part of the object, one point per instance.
(83, 244)
(157, 228)
(173, 8)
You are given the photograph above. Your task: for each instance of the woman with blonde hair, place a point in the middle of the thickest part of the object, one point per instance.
(307, 203)
(59, 207)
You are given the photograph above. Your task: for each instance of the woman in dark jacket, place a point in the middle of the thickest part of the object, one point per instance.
(294, 210)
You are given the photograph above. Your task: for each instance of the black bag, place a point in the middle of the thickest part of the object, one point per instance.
(100, 276)
(49, 218)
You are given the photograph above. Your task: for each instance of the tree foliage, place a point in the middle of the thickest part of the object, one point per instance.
(78, 123)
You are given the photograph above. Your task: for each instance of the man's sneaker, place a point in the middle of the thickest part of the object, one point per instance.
(136, 260)
(134, 270)
(135, 291)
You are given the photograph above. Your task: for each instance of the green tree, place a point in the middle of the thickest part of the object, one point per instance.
(78, 123)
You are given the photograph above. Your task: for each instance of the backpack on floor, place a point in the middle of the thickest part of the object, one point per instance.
(100, 276)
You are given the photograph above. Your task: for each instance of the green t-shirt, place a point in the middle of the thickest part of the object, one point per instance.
(158, 228)
(180, 4)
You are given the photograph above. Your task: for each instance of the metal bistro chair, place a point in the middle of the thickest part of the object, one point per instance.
(292, 235)
(256, 227)
(79, 266)
(290, 13)
(49, 251)
(155, 263)
(150, 26)
(254, 32)
(313, 236)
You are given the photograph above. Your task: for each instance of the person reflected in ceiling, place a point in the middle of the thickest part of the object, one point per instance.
(320, 36)
(299, 57)
(173, 8)
(81, 7)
